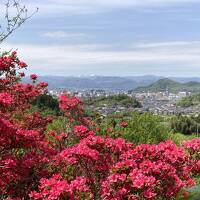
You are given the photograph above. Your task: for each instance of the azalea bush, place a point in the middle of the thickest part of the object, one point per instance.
(39, 161)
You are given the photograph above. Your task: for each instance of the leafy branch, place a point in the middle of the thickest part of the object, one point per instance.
(15, 15)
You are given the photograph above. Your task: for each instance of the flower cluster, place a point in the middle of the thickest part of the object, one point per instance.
(151, 171)
(24, 150)
(82, 131)
(33, 76)
(72, 106)
(6, 99)
(124, 124)
(8, 62)
(69, 103)
(58, 188)
(193, 147)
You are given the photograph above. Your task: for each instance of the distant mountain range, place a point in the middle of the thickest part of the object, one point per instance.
(97, 82)
(138, 83)
(170, 85)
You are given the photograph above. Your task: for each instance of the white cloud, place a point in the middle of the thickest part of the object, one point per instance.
(63, 59)
(62, 34)
(166, 44)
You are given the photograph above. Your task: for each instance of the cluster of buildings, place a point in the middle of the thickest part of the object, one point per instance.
(165, 96)
(83, 94)
(107, 109)
(156, 102)
(164, 102)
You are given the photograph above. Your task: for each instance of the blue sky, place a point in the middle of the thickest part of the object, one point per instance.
(111, 37)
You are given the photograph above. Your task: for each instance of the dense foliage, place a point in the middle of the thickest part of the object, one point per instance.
(76, 164)
(114, 100)
(146, 128)
(138, 127)
(186, 124)
(47, 102)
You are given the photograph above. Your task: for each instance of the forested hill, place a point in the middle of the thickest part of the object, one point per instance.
(170, 85)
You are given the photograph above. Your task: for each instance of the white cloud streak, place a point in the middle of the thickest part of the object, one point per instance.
(62, 34)
(167, 44)
(59, 59)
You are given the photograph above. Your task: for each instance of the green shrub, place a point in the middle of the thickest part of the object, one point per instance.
(146, 128)
(47, 102)
(59, 125)
(114, 100)
(185, 124)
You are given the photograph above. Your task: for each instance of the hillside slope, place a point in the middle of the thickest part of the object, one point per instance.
(170, 85)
